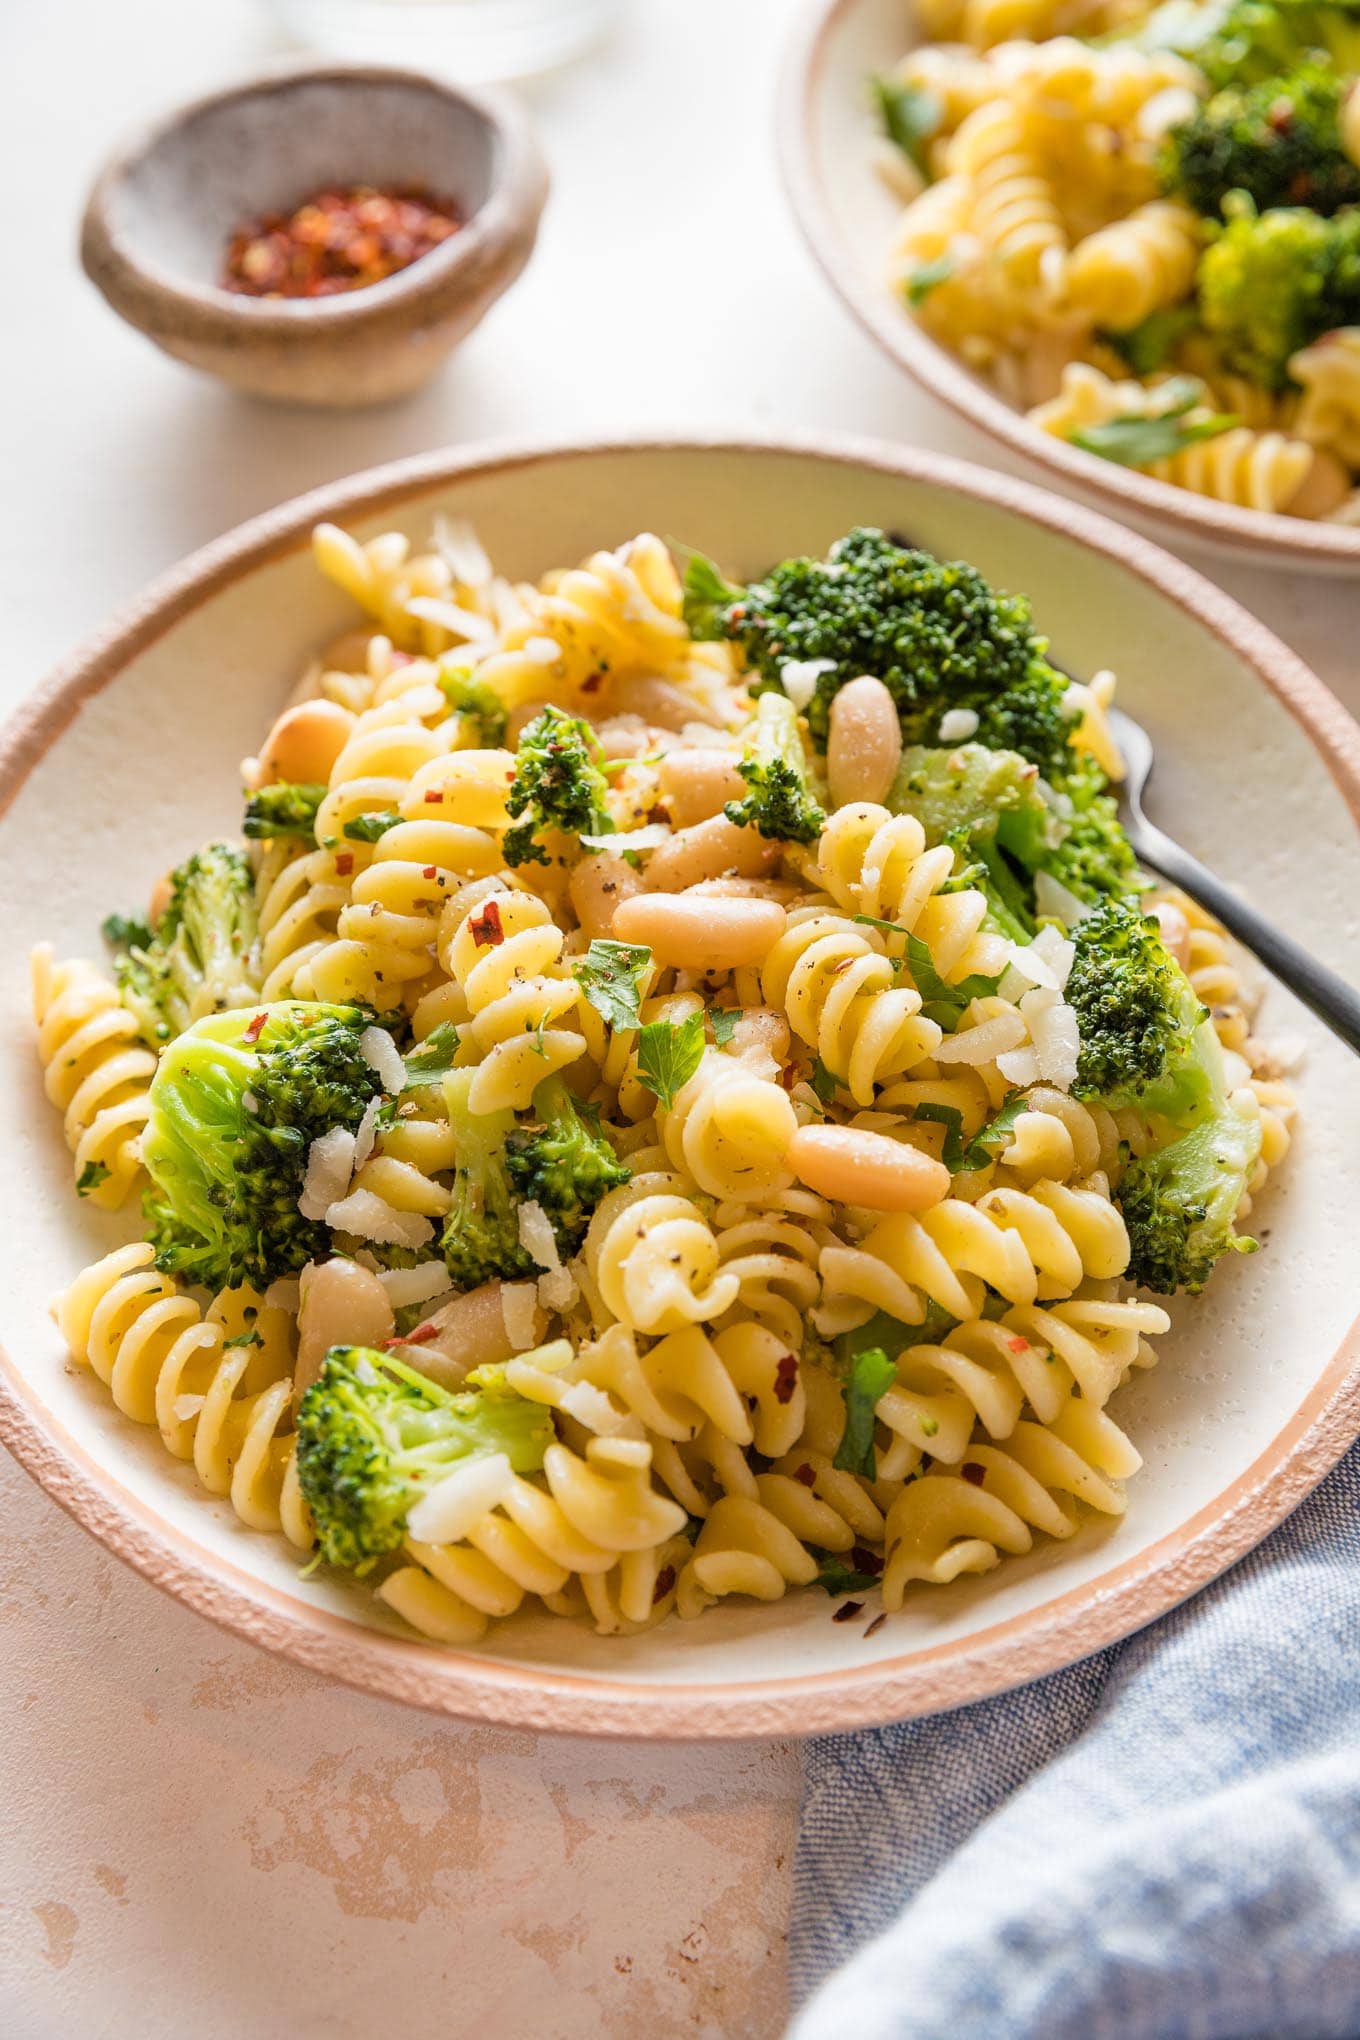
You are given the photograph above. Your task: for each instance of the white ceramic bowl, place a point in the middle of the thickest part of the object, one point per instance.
(848, 215)
(128, 758)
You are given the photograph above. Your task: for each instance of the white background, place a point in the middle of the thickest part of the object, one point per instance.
(197, 1840)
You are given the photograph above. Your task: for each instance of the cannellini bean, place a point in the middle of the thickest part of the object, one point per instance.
(342, 1305)
(1323, 489)
(656, 701)
(1175, 930)
(471, 1332)
(701, 933)
(785, 890)
(597, 887)
(864, 742)
(304, 743)
(697, 782)
(627, 736)
(854, 1166)
(712, 849)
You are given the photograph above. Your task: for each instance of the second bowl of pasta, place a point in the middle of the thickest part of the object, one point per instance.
(1116, 237)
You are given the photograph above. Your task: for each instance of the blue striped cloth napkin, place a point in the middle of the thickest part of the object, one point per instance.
(1162, 1843)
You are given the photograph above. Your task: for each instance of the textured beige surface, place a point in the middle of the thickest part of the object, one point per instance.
(197, 1841)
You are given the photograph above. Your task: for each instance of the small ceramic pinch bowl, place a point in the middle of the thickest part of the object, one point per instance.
(162, 211)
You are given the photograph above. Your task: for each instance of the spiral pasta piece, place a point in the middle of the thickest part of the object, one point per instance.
(960, 1520)
(506, 957)
(730, 1126)
(1123, 273)
(218, 1385)
(96, 1071)
(653, 1257)
(1015, 212)
(873, 862)
(838, 987)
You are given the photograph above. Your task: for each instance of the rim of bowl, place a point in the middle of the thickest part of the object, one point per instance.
(1288, 541)
(516, 194)
(468, 1684)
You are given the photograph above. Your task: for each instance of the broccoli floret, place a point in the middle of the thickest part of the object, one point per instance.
(1280, 142)
(126, 931)
(481, 1233)
(200, 958)
(780, 803)
(475, 700)
(1145, 1037)
(1006, 826)
(1270, 284)
(558, 784)
(284, 809)
(374, 1435)
(563, 1162)
(1245, 42)
(1179, 1203)
(934, 632)
(236, 1103)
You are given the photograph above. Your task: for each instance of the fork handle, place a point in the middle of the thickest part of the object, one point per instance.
(1336, 1003)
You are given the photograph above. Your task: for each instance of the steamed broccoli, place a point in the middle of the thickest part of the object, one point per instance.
(1179, 1202)
(935, 633)
(481, 1233)
(558, 784)
(200, 957)
(779, 803)
(374, 1436)
(1245, 42)
(475, 700)
(284, 809)
(562, 1161)
(1279, 141)
(1006, 825)
(1145, 1037)
(1270, 284)
(236, 1103)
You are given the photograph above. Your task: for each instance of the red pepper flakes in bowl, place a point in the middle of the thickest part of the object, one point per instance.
(341, 239)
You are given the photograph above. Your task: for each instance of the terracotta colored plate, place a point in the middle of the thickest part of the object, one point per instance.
(127, 759)
(847, 214)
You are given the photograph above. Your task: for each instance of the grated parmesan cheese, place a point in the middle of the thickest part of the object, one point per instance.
(957, 725)
(383, 1057)
(799, 677)
(461, 1499)
(414, 1285)
(330, 1164)
(537, 1237)
(519, 1310)
(369, 1217)
(366, 1132)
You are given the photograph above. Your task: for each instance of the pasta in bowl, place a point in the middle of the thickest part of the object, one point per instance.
(1118, 236)
(665, 1101)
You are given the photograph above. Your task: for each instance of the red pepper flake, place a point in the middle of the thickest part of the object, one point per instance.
(485, 926)
(592, 683)
(342, 238)
(396, 658)
(665, 1580)
(876, 1625)
(974, 1473)
(659, 813)
(848, 1611)
(806, 1474)
(344, 862)
(865, 1560)
(435, 796)
(419, 1337)
(1018, 1345)
(256, 1027)
(786, 1378)
(430, 871)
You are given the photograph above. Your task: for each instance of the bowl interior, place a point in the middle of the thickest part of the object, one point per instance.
(850, 215)
(149, 762)
(269, 146)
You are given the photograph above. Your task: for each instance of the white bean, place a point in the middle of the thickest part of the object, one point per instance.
(853, 1166)
(716, 848)
(864, 742)
(304, 743)
(470, 1333)
(342, 1305)
(657, 701)
(698, 782)
(598, 885)
(701, 933)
